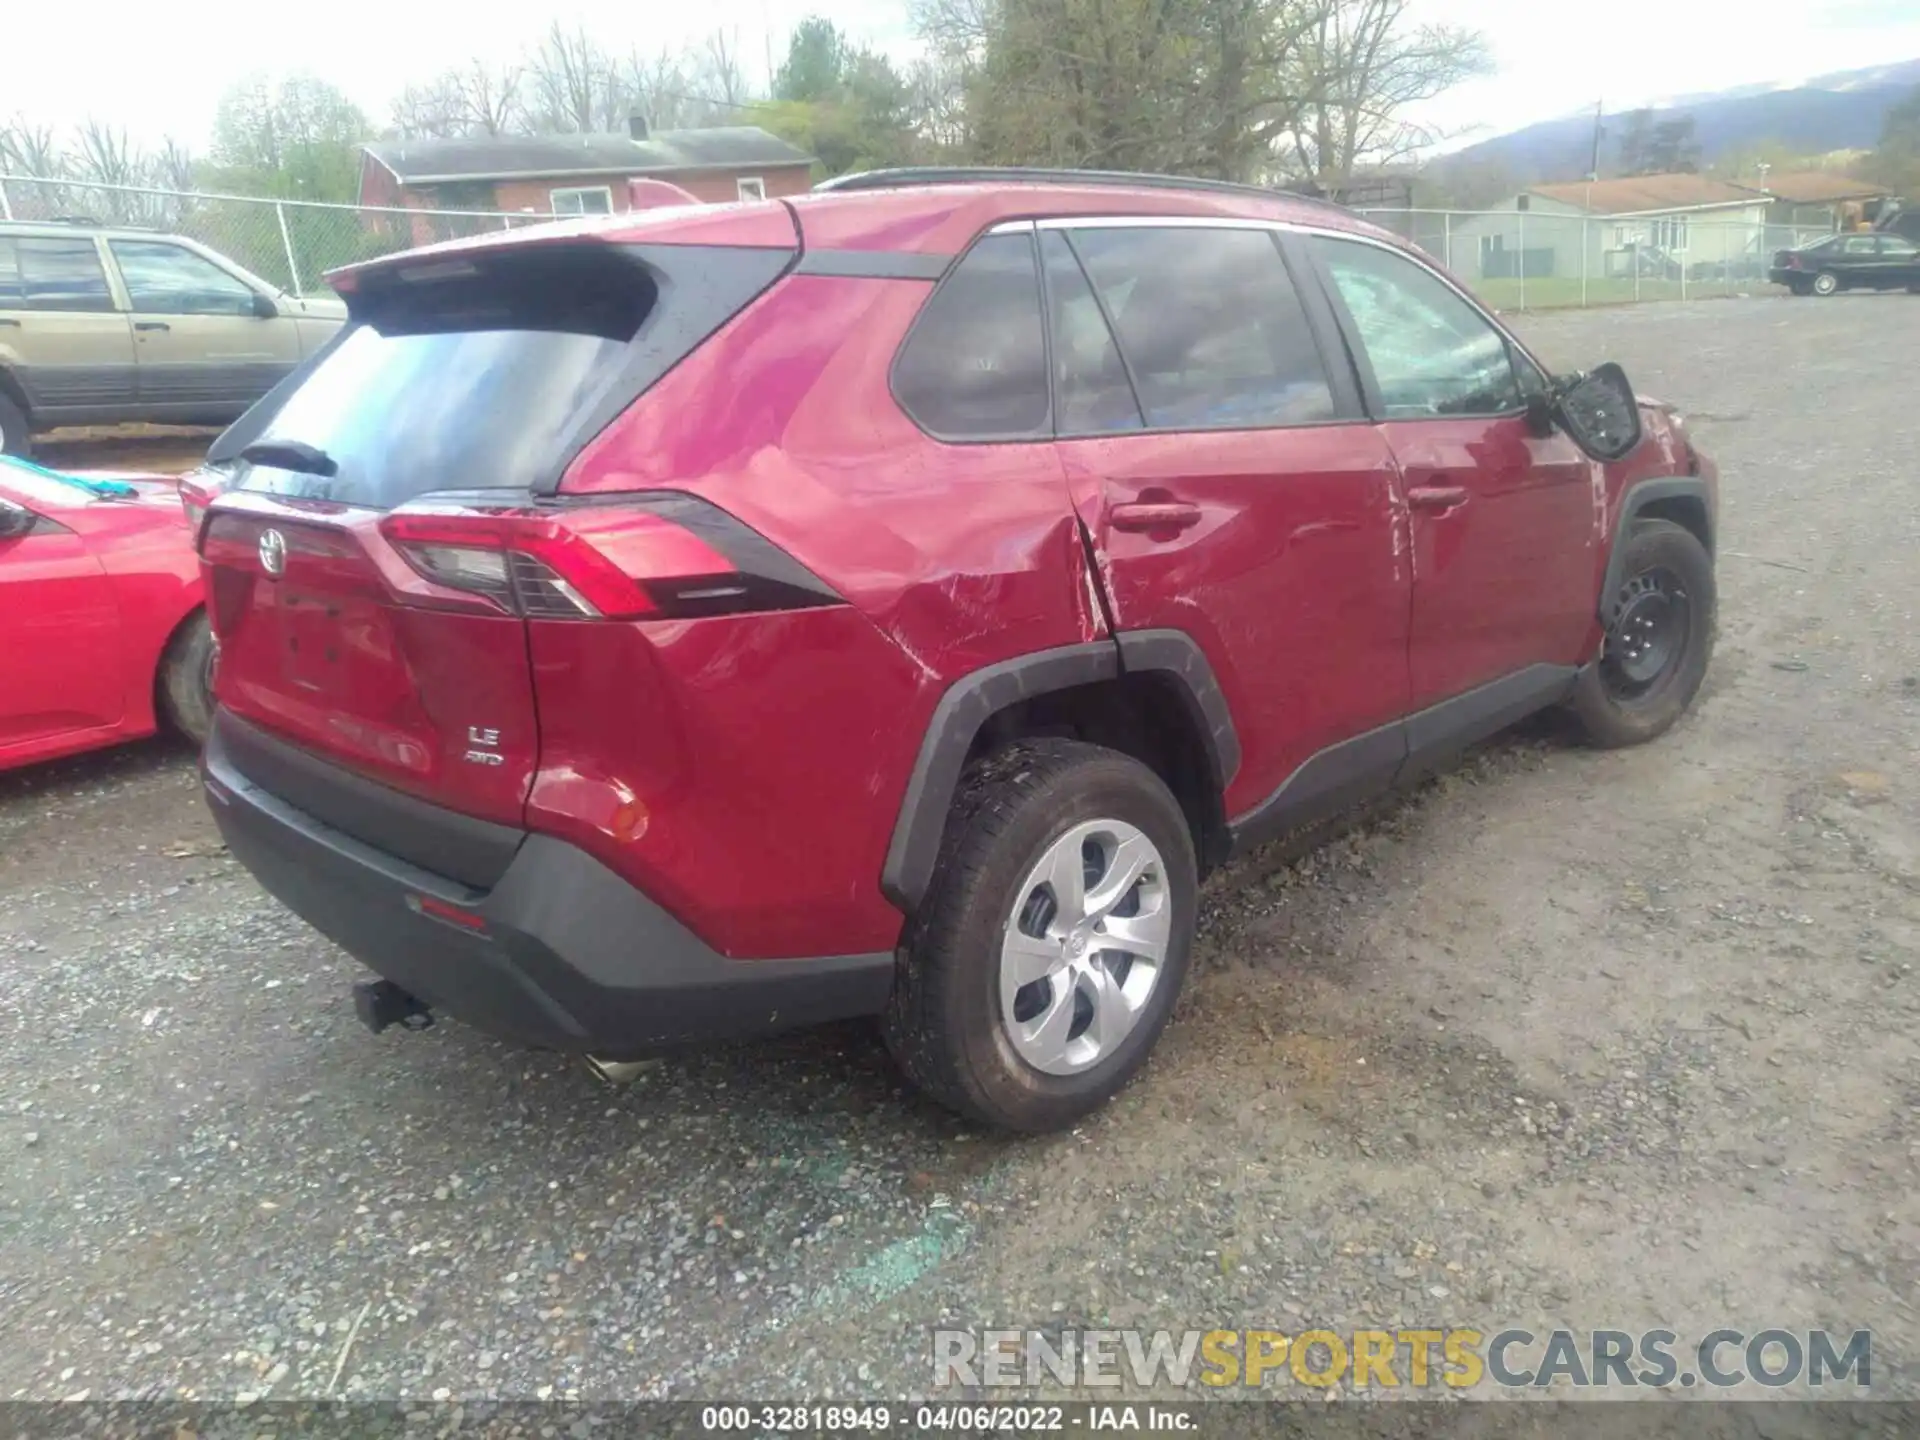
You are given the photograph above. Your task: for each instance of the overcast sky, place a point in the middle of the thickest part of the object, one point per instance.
(165, 65)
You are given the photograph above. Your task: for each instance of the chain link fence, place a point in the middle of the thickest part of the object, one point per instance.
(289, 243)
(1530, 260)
(1514, 259)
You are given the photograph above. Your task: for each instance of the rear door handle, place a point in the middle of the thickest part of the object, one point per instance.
(1154, 515)
(151, 325)
(10, 322)
(1436, 497)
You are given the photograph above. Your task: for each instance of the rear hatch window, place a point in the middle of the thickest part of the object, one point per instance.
(491, 371)
(407, 662)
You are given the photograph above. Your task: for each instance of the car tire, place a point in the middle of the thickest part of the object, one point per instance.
(15, 438)
(1826, 283)
(186, 679)
(1660, 628)
(1040, 1055)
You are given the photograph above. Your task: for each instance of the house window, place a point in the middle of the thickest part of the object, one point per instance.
(1670, 233)
(750, 187)
(585, 200)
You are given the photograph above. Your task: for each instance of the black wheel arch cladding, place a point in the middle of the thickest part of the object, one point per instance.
(974, 699)
(1642, 499)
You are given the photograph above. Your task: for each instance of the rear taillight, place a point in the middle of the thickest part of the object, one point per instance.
(659, 556)
(197, 491)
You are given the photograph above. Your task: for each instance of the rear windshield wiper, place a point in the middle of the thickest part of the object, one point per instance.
(294, 455)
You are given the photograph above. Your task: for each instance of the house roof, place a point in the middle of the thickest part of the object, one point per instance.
(1638, 194)
(530, 157)
(1818, 187)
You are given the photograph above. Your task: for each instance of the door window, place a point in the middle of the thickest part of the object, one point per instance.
(165, 279)
(1432, 353)
(1213, 333)
(61, 274)
(1090, 384)
(1892, 247)
(974, 367)
(1857, 245)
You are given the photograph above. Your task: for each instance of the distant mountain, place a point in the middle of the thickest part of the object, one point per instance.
(1843, 111)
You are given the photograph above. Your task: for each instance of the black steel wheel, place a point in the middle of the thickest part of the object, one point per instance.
(1659, 637)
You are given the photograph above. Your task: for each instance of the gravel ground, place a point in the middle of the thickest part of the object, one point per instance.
(161, 449)
(1567, 1038)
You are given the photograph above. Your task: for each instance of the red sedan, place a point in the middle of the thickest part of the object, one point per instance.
(103, 633)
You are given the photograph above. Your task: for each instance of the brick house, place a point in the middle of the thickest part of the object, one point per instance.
(575, 174)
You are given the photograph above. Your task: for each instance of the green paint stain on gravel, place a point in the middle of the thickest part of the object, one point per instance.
(901, 1265)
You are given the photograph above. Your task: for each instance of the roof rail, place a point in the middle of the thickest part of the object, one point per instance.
(87, 220)
(912, 175)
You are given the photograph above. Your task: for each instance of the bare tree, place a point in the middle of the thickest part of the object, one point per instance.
(718, 73)
(474, 99)
(488, 96)
(1358, 68)
(173, 167)
(30, 149)
(568, 78)
(660, 91)
(430, 111)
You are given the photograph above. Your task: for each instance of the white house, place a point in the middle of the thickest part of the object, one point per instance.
(1660, 224)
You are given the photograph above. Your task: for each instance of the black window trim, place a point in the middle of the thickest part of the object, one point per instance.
(1517, 354)
(1344, 379)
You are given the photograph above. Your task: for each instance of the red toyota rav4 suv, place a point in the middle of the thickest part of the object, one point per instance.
(892, 601)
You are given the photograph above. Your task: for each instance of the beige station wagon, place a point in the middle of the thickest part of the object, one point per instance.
(102, 326)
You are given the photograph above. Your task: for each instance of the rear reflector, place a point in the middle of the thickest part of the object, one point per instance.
(622, 561)
(440, 910)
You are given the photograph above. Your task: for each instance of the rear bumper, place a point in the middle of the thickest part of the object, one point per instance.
(1788, 277)
(565, 954)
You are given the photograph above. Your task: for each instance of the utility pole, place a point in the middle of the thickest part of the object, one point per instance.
(766, 32)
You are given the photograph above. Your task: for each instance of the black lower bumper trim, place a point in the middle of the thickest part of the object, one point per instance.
(565, 954)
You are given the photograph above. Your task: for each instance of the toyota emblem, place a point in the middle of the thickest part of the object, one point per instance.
(273, 553)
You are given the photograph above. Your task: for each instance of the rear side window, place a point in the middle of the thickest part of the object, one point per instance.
(10, 296)
(1212, 330)
(489, 372)
(974, 367)
(60, 274)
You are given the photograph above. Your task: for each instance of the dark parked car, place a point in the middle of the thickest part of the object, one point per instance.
(893, 600)
(1861, 261)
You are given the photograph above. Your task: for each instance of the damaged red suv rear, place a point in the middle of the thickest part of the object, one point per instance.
(694, 624)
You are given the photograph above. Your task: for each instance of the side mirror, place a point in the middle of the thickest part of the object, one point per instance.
(264, 307)
(16, 520)
(1540, 413)
(1599, 411)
